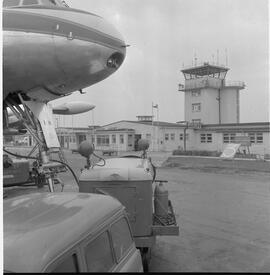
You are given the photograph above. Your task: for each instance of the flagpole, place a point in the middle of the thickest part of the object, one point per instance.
(152, 139)
(157, 127)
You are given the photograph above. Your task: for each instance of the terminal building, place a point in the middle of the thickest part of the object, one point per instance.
(212, 120)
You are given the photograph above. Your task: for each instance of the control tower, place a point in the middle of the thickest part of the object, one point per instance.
(209, 98)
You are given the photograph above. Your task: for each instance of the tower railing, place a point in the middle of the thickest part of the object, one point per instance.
(239, 84)
(205, 82)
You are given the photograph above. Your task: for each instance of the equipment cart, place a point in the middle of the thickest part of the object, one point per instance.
(131, 180)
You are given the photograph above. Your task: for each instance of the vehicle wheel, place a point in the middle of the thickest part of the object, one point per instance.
(145, 261)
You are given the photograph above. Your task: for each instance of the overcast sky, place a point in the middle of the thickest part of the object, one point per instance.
(164, 35)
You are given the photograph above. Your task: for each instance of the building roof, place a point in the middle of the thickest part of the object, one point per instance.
(39, 226)
(205, 69)
(251, 126)
(78, 128)
(115, 130)
(236, 127)
(150, 123)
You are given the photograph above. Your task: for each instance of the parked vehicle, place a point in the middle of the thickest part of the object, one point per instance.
(68, 232)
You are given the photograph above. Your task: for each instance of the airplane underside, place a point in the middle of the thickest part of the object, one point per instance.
(51, 52)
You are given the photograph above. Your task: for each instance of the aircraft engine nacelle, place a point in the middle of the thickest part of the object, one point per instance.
(73, 108)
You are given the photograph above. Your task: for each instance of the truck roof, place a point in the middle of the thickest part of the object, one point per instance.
(37, 227)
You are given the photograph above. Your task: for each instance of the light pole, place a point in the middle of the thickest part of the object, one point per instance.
(185, 123)
(153, 130)
(93, 127)
(185, 129)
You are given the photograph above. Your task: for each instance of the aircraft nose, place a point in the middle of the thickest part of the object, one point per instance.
(112, 38)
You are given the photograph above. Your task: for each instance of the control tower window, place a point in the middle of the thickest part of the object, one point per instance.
(29, 2)
(196, 107)
(11, 3)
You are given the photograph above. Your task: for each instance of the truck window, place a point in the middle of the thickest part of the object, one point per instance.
(30, 2)
(11, 3)
(69, 264)
(99, 254)
(121, 237)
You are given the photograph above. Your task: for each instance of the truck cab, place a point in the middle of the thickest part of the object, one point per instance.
(68, 232)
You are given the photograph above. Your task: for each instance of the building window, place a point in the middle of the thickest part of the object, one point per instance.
(103, 140)
(229, 138)
(259, 138)
(166, 136)
(181, 136)
(172, 136)
(195, 93)
(148, 136)
(196, 107)
(121, 139)
(256, 137)
(113, 138)
(206, 138)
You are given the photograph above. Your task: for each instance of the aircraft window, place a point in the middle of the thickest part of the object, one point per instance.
(29, 2)
(11, 3)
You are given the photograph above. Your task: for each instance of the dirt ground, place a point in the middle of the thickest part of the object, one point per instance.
(223, 215)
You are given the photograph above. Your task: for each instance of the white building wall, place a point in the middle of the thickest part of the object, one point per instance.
(263, 148)
(192, 143)
(218, 145)
(209, 113)
(228, 105)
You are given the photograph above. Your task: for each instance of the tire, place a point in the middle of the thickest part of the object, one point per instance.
(145, 261)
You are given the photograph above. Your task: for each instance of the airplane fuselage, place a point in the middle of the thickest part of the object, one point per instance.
(49, 52)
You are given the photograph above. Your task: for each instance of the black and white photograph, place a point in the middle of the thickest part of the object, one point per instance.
(136, 136)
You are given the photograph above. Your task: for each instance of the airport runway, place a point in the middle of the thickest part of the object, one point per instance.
(224, 223)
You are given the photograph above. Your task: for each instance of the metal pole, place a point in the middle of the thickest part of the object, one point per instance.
(185, 138)
(158, 128)
(185, 129)
(93, 128)
(152, 138)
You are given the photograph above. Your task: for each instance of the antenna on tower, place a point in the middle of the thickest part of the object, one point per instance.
(226, 55)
